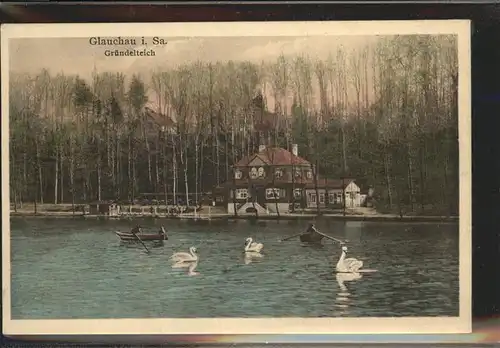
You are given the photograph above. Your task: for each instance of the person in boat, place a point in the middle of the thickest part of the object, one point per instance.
(311, 229)
(163, 234)
(311, 235)
(137, 229)
(162, 231)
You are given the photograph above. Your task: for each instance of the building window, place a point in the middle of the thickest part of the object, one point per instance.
(297, 173)
(261, 172)
(312, 197)
(332, 198)
(278, 173)
(321, 198)
(242, 194)
(297, 193)
(253, 173)
(219, 199)
(272, 193)
(238, 174)
(309, 174)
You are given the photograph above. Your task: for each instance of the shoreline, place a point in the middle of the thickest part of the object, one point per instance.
(227, 217)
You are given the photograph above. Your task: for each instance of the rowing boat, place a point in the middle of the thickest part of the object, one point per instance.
(129, 236)
(311, 238)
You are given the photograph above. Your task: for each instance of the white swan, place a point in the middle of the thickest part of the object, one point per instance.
(191, 266)
(349, 265)
(251, 246)
(346, 277)
(251, 256)
(185, 257)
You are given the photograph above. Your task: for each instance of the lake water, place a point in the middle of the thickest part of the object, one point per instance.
(74, 268)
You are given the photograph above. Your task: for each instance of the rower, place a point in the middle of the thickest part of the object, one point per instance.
(163, 233)
(136, 229)
(311, 229)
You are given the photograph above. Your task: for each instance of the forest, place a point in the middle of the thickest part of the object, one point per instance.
(385, 114)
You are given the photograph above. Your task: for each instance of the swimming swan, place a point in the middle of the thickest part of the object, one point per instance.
(185, 257)
(350, 265)
(346, 277)
(251, 246)
(191, 267)
(251, 256)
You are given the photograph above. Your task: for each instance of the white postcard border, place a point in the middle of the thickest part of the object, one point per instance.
(225, 326)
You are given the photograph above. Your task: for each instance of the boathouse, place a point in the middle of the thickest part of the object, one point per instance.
(277, 180)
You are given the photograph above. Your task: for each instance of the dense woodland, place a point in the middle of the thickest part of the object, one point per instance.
(385, 114)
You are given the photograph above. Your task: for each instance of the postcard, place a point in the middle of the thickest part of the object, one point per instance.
(236, 178)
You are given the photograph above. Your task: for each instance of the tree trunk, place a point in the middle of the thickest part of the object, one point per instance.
(56, 179)
(387, 165)
(217, 152)
(134, 171)
(40, 175)
(72, 179)
(422, 165)
(99, 187)
(165, 184)
(25, 173)
(411, 185)
(157, 167)
(61, 161)
(174, 171)
(202, 183)
(344, 157)
(184, 162)
(118, 167)
(196, 167)
(146, 141)
(129, 168)
(293, 187)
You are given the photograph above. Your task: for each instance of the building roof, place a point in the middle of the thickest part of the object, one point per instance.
(273, 156)
(306, 183)
(263, 120)
(160, 119)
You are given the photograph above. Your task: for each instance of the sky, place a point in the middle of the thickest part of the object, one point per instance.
(77, 56)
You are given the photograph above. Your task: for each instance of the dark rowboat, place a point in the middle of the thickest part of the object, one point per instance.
(128, 236)
(311, 238)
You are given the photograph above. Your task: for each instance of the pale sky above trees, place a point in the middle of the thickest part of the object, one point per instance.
(76, 56)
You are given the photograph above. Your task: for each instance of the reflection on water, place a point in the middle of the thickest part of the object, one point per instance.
(190, 266)
(71, 268)
(251, 256)
(343, 295)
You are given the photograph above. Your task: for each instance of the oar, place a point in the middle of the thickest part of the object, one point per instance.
(327, 236)
(288, 238)
(140, 240)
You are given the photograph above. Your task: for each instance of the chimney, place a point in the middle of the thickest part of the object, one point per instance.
(262, 148)
(295, 149)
